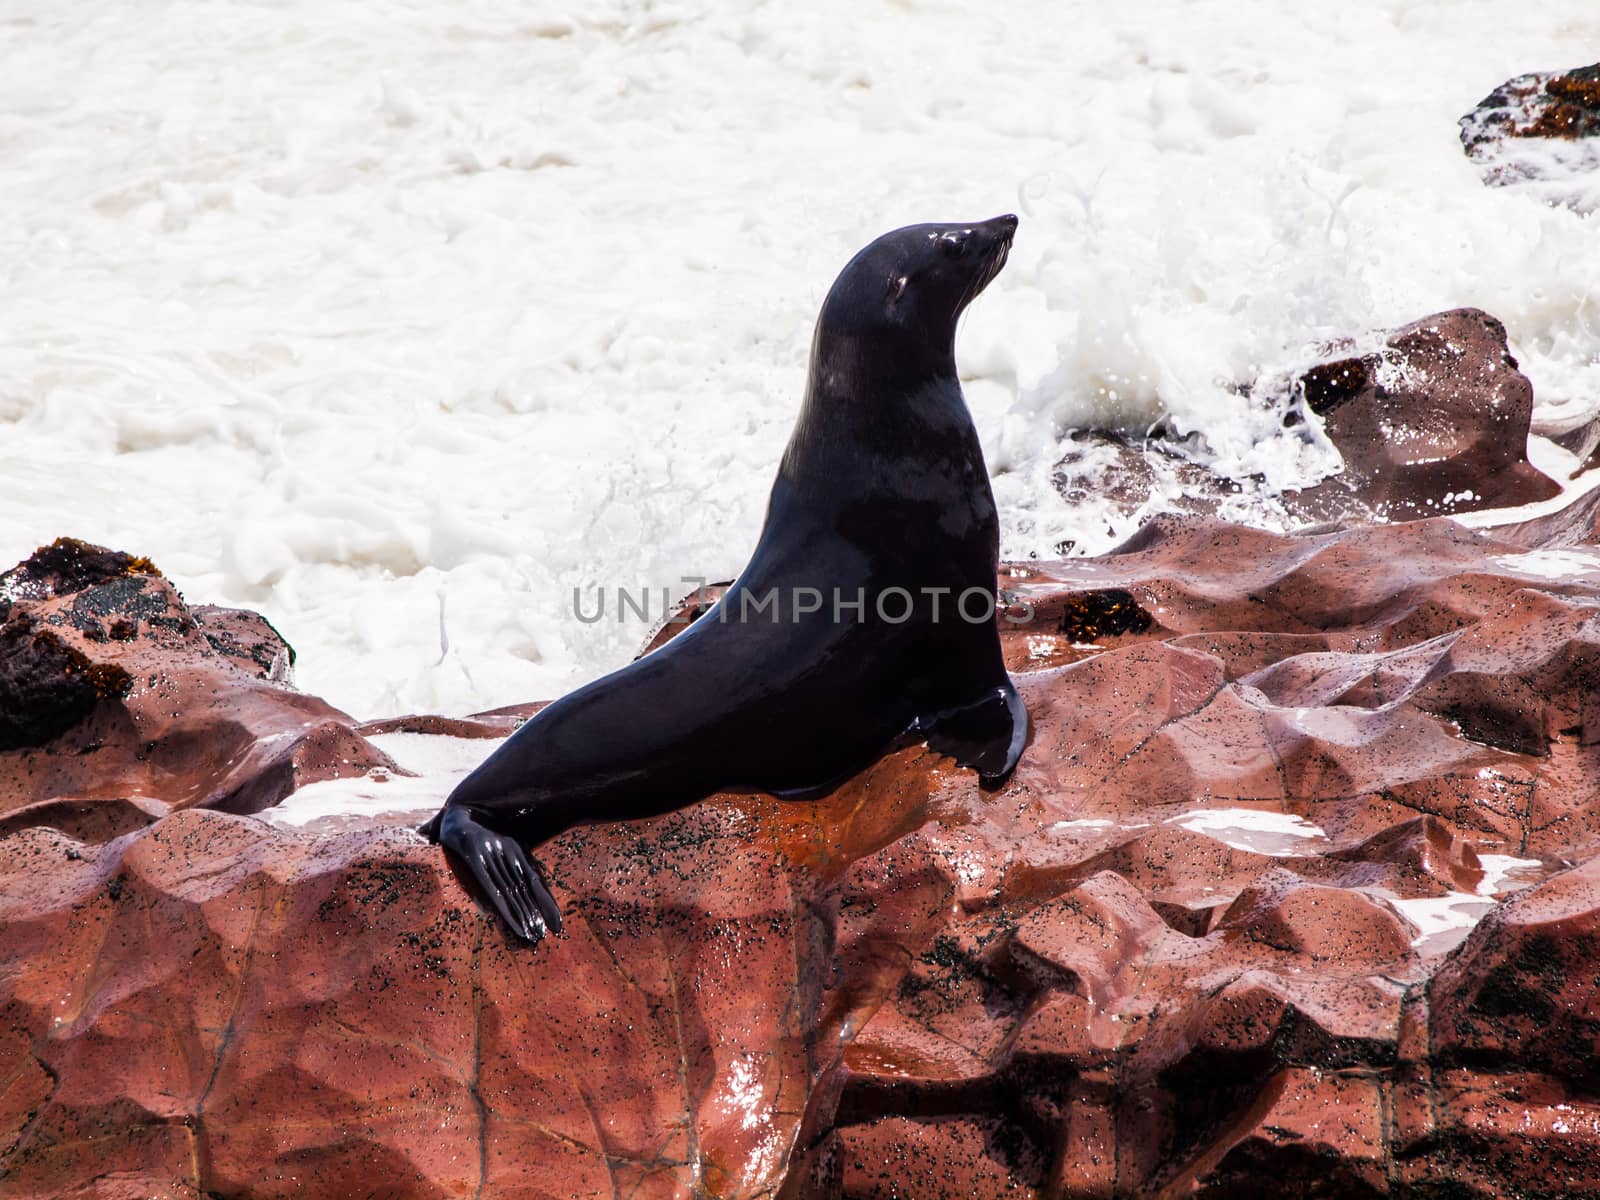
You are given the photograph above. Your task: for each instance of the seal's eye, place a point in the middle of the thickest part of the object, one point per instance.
(897, 287)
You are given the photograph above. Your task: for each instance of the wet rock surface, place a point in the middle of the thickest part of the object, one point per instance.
(1540, 131)
(120, 703)
(1295, 891)
(1432, 420)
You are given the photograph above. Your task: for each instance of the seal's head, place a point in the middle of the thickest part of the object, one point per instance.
(891, 315)
(917, 280)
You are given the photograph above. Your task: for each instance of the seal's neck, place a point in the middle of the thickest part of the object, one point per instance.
(853, 366)
(871, 399)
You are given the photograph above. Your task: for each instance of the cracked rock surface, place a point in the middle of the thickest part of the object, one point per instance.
(1295, 891)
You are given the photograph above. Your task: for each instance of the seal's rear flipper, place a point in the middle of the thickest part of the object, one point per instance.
(987, 736)
(500, 868)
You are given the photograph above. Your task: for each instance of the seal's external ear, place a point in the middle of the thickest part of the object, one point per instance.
(897, 288)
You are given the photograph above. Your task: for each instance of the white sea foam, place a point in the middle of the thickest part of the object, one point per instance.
(1553, 563)
(399, 323)
(1505, 873)
(1261, 831)
(383, 797)
(1559, 465)
(1442, 923)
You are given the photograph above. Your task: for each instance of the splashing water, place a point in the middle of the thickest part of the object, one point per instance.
(334, 312)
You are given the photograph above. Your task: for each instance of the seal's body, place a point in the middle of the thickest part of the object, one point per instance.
(866, 612)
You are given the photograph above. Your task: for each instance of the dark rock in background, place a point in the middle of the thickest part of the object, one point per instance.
(1544, 104)
(116, 695)
(1433, 422)
(1539, 131)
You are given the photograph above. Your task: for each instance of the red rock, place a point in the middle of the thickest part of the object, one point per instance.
(336, 1010)
(1071, 987)
(1414, 858)
(1284, 912)
(1314, 1133)
(1244, 1018)
(1578, 524)
(119, 703)
(940, 1159)
(1434, 423)
(1492, 1134)
(496, 723)
(1525, 987)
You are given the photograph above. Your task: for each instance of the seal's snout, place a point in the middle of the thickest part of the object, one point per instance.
(980, 240)
(995, 236)
(998, 231)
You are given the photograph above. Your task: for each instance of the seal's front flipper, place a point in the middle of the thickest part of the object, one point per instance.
(987, 736)
(501, 869)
